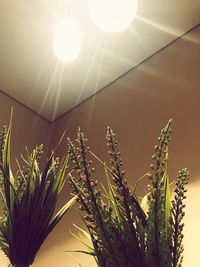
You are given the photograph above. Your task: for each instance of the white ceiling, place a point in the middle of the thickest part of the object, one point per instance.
(31, 73)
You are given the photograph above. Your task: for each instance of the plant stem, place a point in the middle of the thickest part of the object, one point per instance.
(95, 203)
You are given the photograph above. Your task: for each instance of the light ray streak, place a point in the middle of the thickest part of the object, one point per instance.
(160, 27)
(91, 66)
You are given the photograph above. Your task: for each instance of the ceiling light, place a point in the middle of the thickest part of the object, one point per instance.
(66, 43)
(112, 15)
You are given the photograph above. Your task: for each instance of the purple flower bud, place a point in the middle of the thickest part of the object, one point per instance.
(92, 184)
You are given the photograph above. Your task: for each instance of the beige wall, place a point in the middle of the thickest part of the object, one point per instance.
(28, 128)
(136, 107)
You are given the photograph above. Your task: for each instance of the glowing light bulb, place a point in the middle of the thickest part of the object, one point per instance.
(66, 43)
(112, 15)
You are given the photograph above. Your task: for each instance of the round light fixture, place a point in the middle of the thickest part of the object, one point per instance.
(66, 43)
(112, 15)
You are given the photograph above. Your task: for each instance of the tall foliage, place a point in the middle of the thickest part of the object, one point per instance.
(29, 201)
(122, 233)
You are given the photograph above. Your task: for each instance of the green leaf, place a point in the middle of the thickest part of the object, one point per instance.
(60, 214)
(8, 177)
(112, 197)
(91, 253)
(83, 231)
(29, 202)
(138, 181)
(145, 204)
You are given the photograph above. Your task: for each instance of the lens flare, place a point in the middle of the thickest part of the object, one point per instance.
(112, 15)
(66, 45)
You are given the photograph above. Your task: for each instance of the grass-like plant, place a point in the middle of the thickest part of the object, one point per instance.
(29, 201)
(123, 233)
